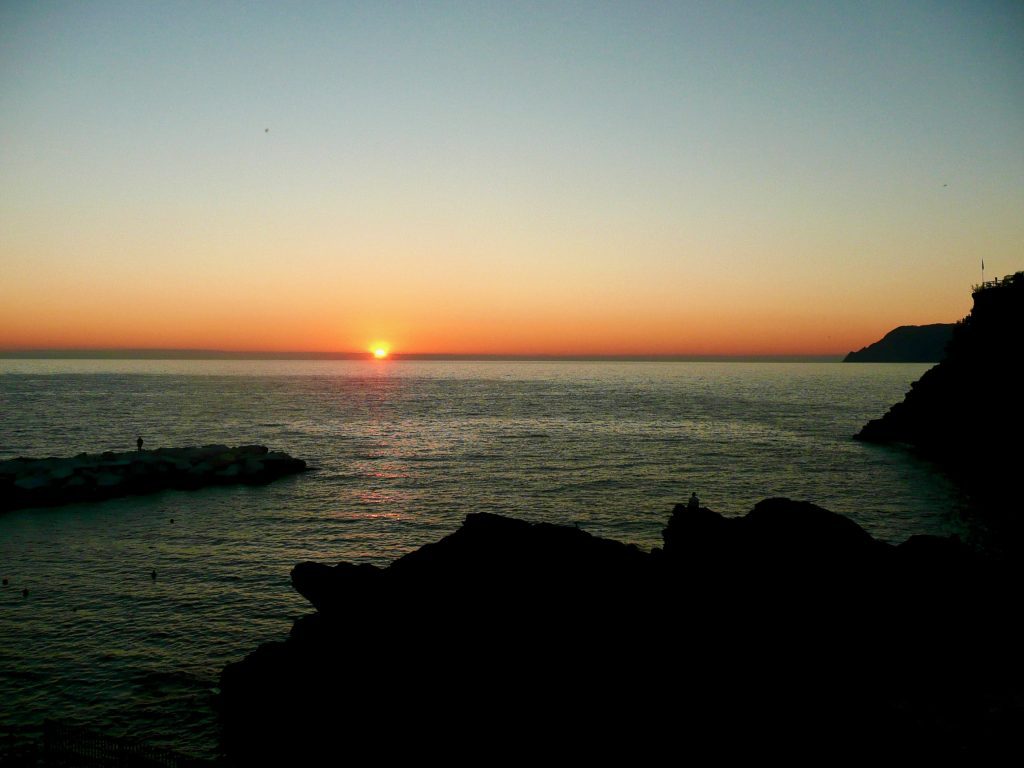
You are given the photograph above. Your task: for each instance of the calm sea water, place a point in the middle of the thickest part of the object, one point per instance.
(402, 451)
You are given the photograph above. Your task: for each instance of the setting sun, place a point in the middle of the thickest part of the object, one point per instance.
(380, 352)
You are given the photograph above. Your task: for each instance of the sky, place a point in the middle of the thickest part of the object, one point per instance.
(504, 178)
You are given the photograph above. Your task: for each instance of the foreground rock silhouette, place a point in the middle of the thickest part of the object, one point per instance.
(94, 477)
(788, 632)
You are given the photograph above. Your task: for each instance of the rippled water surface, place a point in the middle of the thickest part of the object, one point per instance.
(403, 451)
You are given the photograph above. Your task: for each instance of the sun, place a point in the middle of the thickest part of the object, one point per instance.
(380, 349)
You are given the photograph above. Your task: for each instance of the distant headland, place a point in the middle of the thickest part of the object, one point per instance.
(907, 344)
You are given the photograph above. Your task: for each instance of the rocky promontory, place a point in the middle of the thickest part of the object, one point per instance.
(787, 632)
(97, 476)
(966, 413)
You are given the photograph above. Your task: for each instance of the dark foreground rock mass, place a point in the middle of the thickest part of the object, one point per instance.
(967, 413)
(907, 344)
(93, 477)
(788, 632)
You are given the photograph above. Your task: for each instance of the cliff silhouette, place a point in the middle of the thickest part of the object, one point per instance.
(907, 344)
(790, 631)
(966, 412)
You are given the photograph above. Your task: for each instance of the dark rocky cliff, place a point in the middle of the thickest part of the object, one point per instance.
(907, 344)
(967, 412)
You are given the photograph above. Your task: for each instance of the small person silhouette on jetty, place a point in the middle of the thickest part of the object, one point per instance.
(694, 502)
(138, 443)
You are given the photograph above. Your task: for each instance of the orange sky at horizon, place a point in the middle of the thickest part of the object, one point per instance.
(664, 322)
(504, 179)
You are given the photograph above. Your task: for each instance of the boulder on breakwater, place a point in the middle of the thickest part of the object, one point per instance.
(94, 477)
(790, 631)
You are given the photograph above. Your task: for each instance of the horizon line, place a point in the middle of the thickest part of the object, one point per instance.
(218, 354)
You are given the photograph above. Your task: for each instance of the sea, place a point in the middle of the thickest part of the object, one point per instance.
(401, 451)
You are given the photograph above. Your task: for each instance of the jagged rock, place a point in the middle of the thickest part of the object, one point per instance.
(52, 481)
(510, 640)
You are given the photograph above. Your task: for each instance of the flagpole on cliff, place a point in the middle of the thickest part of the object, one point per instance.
(983, 273)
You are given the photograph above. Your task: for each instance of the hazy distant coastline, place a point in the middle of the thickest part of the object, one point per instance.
(216, 354)
(907, 344)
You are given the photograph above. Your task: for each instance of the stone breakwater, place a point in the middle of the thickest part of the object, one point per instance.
(93, 477)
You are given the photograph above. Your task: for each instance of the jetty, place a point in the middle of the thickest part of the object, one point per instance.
(27, 482)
